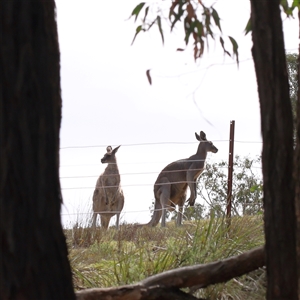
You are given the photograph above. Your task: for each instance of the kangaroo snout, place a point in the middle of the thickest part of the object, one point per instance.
(215, 150)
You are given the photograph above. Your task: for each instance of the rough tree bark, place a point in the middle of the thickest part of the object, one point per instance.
(33, 261)
(297, 165)
(277, 156)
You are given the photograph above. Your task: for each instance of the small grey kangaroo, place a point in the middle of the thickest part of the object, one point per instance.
(108, 197)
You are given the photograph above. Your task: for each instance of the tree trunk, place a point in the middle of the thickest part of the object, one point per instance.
(297, 166)
(277, 156)
(34, 263)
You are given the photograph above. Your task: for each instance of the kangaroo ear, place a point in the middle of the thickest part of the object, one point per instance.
(116, 149)
(201, 137)
(108, 149)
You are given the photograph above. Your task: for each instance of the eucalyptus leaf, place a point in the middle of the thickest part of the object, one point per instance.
(137, 10)
(216, 18)
(160, 28)
(137, 31)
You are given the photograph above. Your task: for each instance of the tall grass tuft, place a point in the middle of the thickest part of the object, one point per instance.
(111, 258)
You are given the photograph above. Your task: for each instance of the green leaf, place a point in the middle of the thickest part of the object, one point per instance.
(289, 9)
(146, 13)
(177, 18)
(209, 31)
(178, 15)
(256, 188)
(171, 12)
(234, 44)
(208, 23)
(248, 27)
(216, 18)
(234, 48)
(137, 10)
(137, 31)
(188, 28)
(296, 3)
(199, 26)
(284, 4)
(222, 44)
(181, 12)
(160, 28)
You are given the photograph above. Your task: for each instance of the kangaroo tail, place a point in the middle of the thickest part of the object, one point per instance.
(156, 215)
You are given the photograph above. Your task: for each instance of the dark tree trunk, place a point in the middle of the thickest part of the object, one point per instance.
(297, 166)
(33, 260)
(277, 156)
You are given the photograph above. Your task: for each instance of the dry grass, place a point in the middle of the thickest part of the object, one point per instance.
(110, 258)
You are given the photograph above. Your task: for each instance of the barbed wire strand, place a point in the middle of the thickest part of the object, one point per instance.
(137, 163)
(147, 173)
(128, 185)
(121, 212)
(156, 143)
(210, 160)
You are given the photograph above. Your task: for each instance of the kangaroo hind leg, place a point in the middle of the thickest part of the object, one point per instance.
(164, 197)
(105, 221)
(193, 187)
(180, 209)
(94, 220)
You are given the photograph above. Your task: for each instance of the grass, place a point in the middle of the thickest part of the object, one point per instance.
(111, 258)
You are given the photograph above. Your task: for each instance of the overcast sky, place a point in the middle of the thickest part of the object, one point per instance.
(107, 99)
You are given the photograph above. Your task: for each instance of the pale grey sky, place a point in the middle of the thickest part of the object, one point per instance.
(107, 99)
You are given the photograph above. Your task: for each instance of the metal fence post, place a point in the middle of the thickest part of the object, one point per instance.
(230, 171)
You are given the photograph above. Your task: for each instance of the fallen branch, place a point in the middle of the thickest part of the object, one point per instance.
(167, 285)
(212, 273)
(134, 292)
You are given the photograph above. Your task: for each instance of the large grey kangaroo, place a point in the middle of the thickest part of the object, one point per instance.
(172, 182)
(108, 198)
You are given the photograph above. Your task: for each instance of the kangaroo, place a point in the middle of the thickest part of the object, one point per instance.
(171, 184)
(108, 198)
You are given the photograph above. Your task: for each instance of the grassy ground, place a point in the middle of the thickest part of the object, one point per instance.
(113, 258)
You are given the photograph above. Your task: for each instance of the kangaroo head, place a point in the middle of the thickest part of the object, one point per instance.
(208, 144)
(109, 156)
